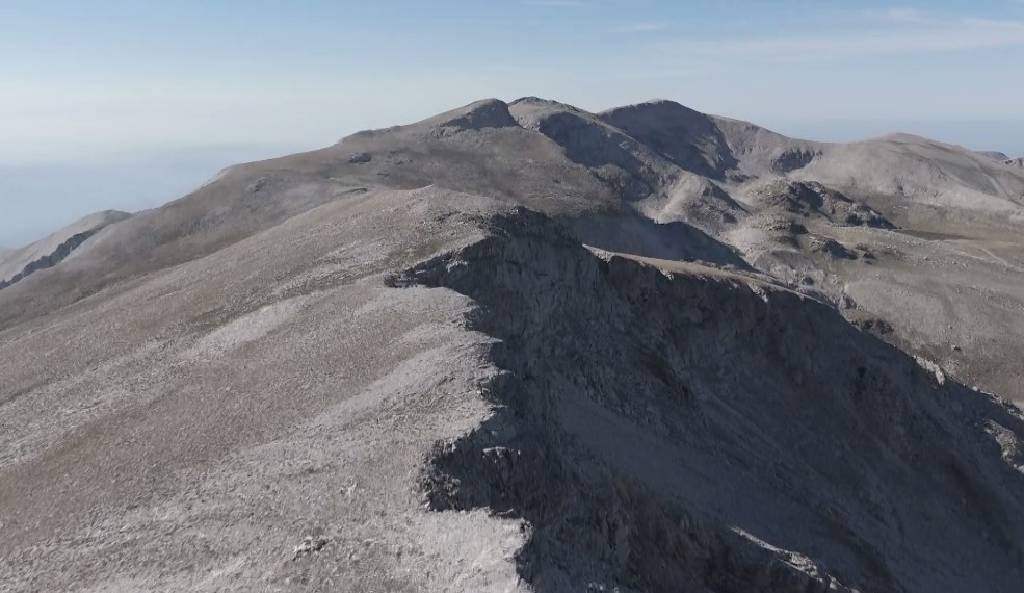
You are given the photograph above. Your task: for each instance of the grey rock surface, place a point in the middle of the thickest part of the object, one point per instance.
(523, 347)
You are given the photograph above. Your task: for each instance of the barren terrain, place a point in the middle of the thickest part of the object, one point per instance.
(528, 347)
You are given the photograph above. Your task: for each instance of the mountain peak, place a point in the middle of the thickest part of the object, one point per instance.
(654, 107)
(683, 135)
(486, 113)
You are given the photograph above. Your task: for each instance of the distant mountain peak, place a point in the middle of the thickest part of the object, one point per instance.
(654, 107)
(486, 113)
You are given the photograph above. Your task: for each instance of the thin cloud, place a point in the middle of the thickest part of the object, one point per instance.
(968, 34)
(641, 28)
(557, 3)
(1011, 25)
(659, 75)
(897, 15)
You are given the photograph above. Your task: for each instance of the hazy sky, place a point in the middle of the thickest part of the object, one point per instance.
(103, 83)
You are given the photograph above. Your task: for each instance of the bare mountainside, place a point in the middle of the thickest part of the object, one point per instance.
(527, 347)
(943, 272)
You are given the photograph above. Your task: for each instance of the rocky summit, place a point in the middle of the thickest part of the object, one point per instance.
(526, 347)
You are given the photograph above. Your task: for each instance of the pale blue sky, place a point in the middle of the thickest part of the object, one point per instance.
(107, 82)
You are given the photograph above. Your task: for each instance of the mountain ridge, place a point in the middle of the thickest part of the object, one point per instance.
(348, 377)
(672, 183)
(525, 347)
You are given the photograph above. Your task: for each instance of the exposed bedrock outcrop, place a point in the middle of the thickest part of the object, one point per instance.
(713, 433)
(815, 199)
(16, 265)
(49, 260)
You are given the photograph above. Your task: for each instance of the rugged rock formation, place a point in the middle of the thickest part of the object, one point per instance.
(814, 199)
(746, 391)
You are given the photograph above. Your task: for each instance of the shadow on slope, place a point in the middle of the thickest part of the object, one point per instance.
(635, 234)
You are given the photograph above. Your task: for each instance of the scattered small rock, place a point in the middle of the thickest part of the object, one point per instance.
(874, 325)
(832, 248)
(309, 546)
(257, 185)
(933, 368)
(359, 157)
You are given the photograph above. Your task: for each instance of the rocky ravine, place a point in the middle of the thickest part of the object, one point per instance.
(493, 351)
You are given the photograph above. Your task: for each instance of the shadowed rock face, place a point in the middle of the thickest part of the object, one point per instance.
(615, 341)
(51, 259)
(16, 265)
